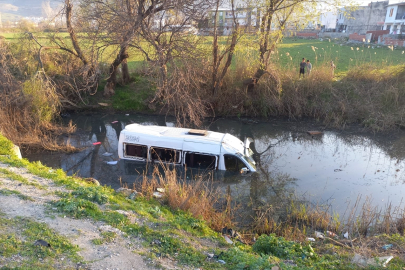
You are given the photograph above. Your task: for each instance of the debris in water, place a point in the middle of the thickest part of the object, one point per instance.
(314, 132)
(112, 162)
(97, 143)
(106, 154)
(337, 170)
(114, 122)
(127, 114)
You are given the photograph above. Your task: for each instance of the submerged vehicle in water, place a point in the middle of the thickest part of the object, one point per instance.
(187, 147)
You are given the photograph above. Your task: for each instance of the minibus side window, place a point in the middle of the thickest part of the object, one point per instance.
(137, 151)
(194, 160)
(233, 163)
(165, 154)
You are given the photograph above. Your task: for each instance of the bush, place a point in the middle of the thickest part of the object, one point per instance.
(279, 247)
(6, 147)
(93, 194)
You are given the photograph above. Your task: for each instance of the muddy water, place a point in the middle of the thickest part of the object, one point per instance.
(333, 168)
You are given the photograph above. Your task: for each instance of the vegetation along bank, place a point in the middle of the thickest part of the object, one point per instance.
(50, 220)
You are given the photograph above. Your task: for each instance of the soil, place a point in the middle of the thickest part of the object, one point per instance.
(119, 254)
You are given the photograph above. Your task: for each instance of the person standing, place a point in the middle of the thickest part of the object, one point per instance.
(302, 67)
(309, 67)
(332, 67)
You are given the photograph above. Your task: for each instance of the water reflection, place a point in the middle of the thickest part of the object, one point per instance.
(334, 167)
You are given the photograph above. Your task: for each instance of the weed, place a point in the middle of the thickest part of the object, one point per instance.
(19, 178)
(18, 236)
(107, 237)
(93, 194)
(8, 192)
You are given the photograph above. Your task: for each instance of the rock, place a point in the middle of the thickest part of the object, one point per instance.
(108, 228)
(41, 242)
(290, 262)
(275, 268)
(16, 151)
(122, 212)
(134, 195)
(377, 261)
(125, 191)
(92, 180)
(156, 242)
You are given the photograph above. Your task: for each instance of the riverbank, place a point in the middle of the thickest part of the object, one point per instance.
(94, 227)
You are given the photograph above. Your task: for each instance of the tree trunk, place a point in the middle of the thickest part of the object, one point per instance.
(163, 82)
(72, 33)
(112, 80)
(125, 72)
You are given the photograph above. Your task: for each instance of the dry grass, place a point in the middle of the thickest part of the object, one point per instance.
(197, 196)
(25, 119)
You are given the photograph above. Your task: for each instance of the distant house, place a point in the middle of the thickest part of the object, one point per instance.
(362, 19)
(327, 21)
(395, 18)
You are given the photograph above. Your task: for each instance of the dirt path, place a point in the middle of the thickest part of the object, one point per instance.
(119, 254)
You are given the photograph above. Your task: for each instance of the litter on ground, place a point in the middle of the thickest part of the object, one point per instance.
(112, 162)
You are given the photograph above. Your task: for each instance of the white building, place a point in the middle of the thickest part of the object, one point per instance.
(395, 18)
(328, 20)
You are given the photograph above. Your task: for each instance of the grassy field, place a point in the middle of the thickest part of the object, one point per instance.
(288, 56)
(345, 57)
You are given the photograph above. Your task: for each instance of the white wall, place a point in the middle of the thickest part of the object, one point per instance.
(340, 16)
(391, 19)
(328, 19)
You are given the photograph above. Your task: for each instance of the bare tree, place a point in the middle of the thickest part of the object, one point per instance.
(174, 50)
(274, 17)
(218, 57)
(121, 20)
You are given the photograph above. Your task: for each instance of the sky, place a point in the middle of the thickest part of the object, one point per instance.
(25, 8)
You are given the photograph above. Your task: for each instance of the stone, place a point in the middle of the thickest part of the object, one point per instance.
(125, 191)
(134, 195)
(16, 151)
(92, 180)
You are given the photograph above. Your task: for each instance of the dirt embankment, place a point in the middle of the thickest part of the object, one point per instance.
(30, 200)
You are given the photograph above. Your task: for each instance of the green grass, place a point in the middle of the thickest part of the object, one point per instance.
(166, 233)
(344, 56)
(107, 237)
(19, 178)
(7, 192)
(18, 236)
(133, 97)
